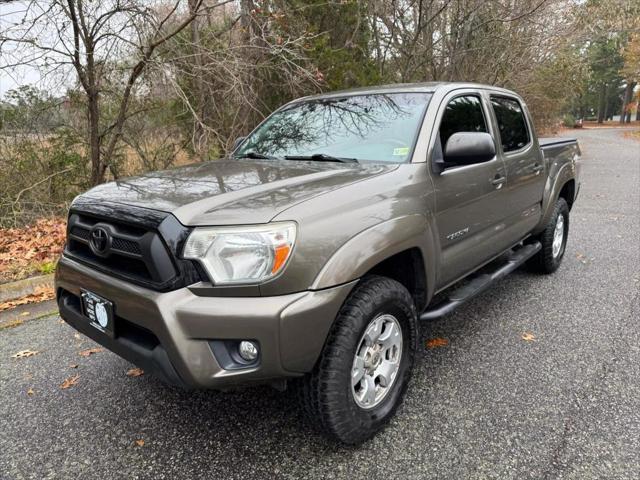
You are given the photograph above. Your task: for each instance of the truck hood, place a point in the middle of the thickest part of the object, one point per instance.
(233, 192)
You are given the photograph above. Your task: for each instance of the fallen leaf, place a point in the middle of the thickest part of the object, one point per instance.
(40, 294)
(16, 322)
(24, 251)
(90, 351)
(24, 314)
(140, 443)
(73, 365)
(70, 382)
(30, 392)
(528, 337)
(437, 342)
(25, 354)
(135, 372)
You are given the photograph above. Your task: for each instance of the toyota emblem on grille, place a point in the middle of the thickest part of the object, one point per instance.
(100, 240)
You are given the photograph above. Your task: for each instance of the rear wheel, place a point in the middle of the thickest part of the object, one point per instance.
(553, 240)
(363, 372)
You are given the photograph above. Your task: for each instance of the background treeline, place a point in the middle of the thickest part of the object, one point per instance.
(135, 85)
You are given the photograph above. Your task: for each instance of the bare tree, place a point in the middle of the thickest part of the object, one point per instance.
(95, 40)
(486, 41)
(236, 65)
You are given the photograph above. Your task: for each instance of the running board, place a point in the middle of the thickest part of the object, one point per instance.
(479, 282)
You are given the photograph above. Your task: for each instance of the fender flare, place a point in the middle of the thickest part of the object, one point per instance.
(368, 248)
(565, 174)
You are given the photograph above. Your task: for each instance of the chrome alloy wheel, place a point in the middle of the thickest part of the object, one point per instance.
(377, 361)
(558, 236)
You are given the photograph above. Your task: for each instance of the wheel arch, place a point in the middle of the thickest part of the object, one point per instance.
(562, 185)
(399, 248)
(568, 192)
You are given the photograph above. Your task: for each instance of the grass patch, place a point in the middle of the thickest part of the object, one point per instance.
(47, 267)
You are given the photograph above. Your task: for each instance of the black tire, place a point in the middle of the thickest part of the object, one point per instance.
(545, 261)
(326, 393)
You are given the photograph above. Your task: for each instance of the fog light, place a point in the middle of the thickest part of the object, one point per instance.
(248, 350)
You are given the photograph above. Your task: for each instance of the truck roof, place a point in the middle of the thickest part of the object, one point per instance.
(405, 87)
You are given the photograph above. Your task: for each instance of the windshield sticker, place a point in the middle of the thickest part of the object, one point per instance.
(401, 151)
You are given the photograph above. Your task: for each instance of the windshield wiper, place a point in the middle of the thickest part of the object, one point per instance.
(256, 155)
(321, 157)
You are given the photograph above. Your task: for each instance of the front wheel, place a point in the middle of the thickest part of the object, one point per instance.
(364, 369)
(553, 240)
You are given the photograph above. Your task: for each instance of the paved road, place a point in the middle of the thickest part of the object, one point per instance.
(489, 405)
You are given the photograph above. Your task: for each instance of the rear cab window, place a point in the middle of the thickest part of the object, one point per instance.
(512, 125)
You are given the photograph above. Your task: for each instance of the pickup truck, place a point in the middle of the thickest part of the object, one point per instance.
(309, 256)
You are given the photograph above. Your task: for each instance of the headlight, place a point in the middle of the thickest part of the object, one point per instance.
(249, 254)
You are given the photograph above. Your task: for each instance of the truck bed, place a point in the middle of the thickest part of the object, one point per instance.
(560, 149)
(551, 141)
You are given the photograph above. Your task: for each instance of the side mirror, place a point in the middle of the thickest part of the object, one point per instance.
(467, 148)
(237, 142)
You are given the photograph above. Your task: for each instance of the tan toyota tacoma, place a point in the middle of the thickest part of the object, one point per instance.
(310, 255)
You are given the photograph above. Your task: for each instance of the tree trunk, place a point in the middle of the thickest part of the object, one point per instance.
(638, 110)
(97, 168)
(201, 144)
(607, 105)
(602, 103)
(246, 10)
(625, 113)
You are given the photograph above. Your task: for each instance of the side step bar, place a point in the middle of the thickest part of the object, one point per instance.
(479, 282)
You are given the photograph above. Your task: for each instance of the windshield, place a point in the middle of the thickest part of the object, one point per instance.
(377, 127)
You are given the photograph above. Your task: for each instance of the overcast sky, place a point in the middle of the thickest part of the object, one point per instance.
(10, 13)
(9, 79)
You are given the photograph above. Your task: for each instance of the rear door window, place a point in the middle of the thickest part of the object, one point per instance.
(462, 114)
(514, 133)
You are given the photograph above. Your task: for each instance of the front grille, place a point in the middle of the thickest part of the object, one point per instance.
(143, 246)
(124, 245)
(81, 233)
(119, 245)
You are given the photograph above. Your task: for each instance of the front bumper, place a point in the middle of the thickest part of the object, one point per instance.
(174, 334)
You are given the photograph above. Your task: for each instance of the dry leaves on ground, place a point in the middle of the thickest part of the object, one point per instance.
(633, 134)
(140, 443)
(25, 354)
(30, 392)
(528, 337)
(437, 342)
(41, 294)
(90, 351)
(23, 250)
(16, 322)
(70, 382)
(135, 372)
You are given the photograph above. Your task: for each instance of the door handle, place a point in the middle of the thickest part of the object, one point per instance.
(537, 168)
(498, 181)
